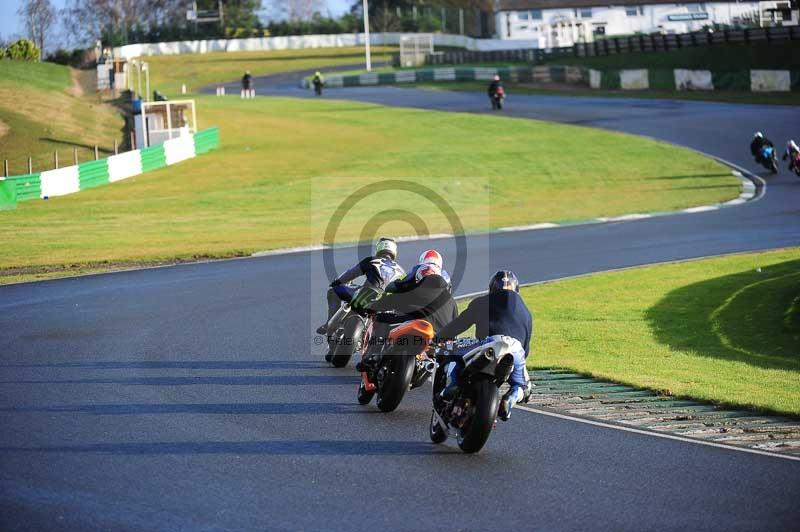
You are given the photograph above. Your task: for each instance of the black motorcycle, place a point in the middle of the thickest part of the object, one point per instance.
(349, 331)
(471, 414)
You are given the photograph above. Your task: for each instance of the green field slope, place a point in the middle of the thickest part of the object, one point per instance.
(723, 329)
(46, 107)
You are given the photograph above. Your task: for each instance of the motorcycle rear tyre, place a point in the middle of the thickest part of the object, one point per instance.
(486, 396)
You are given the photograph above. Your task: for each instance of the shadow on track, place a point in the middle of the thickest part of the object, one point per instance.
(258, 380)
(179, 364)
(204, 408)
(287, 447)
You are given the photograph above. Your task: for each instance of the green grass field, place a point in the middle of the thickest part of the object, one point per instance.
(169, 72)
(715, 329)
(280, 157)
(45, 108)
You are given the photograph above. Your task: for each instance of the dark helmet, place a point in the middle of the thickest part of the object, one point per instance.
(504, 280)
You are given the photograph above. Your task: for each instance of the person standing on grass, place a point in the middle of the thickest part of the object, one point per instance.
(247, 85)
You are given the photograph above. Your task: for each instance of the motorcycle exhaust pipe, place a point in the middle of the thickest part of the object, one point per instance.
(430, 366)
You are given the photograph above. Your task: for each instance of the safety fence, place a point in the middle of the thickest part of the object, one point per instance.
(630, 79)
(680, 79)
(619, 45)
(71, 179)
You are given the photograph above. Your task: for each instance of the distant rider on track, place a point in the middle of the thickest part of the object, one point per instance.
(792, 152)
(759, 141)
(502, 311)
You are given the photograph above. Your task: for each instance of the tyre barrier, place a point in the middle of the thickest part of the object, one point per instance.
(71, 179)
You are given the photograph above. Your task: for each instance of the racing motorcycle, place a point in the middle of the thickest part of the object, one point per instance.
(471, 414)
(400, 365)
(350, 331)
(769, 159)
(498, 98)
(794, 164)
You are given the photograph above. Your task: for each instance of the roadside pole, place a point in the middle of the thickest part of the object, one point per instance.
(365, 7)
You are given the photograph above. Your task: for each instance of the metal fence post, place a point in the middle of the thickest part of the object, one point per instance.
(5, 167)
(74, 155)
(96, 154)
(55, 159)
(30, 165)
(116, 147)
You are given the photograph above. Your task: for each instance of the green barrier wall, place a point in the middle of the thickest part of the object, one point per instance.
(731, 81)
(8, 196)
(95, 173)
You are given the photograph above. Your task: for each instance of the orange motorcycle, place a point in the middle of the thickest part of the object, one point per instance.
(402, 363)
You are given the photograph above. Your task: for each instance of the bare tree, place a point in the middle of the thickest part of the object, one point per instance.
(39, 17)
(88, 20)
(299, 9)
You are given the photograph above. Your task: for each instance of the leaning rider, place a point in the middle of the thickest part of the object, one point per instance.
(792, 152)
(759, 141)
(379, 270)
(429, 257)
(502, 311)
(429, 299)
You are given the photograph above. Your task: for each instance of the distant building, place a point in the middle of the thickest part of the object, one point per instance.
(554, 23)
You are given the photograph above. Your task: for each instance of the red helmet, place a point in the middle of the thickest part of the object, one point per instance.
(425, 270)
(432, 257)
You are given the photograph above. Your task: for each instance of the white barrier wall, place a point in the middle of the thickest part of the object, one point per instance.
(299, 42)
(124, 165)
(770, 81)
(178, 149)
(60, 182)
(634, 79)
(693, 80)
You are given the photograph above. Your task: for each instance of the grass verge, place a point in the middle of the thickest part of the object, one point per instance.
(283, 159)
(725, 329)
(169, 72)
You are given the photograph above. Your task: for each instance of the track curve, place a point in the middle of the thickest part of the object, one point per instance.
(191, 397)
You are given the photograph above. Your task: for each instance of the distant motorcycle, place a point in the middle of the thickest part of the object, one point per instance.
(318, 84)
(471, 415)
(498, 98)
(400, 365)
(769, 159)
(794, 164)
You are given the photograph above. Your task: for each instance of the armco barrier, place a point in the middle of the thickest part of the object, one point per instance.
(694, 80)
(71, 179)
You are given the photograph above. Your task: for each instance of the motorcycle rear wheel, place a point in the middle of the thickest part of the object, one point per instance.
(486, 397)
(392, 390)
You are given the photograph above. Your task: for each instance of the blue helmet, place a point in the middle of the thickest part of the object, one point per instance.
(504, 280)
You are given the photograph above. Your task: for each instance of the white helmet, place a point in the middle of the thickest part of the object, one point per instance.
(386, 246)
(432, 257)
(791, 144)
(758, 135)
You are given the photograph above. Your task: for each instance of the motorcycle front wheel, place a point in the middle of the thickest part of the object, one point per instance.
(486, 400)
(773, 165)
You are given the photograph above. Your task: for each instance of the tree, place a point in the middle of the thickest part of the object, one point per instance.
(39, 17)
(298, 9)
(113, 20)
(22, 50)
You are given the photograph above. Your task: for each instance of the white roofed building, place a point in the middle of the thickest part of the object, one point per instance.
(556, 23)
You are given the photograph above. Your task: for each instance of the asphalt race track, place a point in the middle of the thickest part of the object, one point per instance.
(193, 397)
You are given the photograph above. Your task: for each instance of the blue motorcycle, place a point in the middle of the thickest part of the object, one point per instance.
(769, 159)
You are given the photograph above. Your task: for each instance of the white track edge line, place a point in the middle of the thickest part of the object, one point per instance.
(666, 436)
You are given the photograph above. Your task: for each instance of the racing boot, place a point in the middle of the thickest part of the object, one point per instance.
(512, 397)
